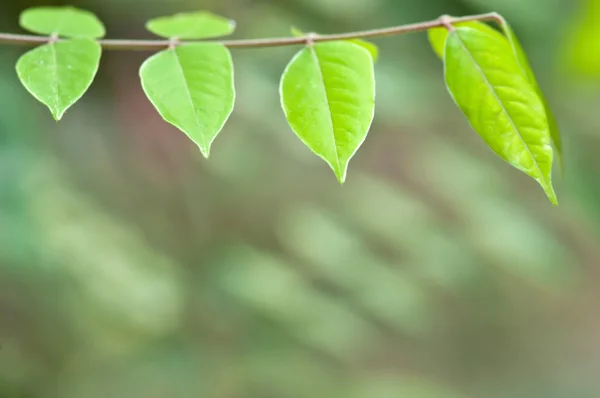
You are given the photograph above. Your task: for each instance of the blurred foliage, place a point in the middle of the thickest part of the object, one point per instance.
(582, 53)
(131, 267)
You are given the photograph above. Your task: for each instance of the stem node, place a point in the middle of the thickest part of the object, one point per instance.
(173, 43)
(446, 21)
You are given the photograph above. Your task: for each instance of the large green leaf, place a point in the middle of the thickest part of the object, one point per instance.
(328, 96)
(193, 25)
(370, 47)
(526, 68)
(488, 85)
(191, 86)
(437, 39)
(62, 21)
(59, 73)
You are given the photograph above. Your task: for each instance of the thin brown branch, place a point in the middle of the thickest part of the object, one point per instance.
(154, 45)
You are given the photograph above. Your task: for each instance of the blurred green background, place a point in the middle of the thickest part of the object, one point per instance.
(131, 267)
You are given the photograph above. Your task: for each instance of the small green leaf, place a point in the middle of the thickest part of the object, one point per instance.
(526, 68)
(488, 85)
(58, 74)
(193, 25)
(437, 36)
(191, 86)
(328, 97)
(62, 21)
(297, 32)
(370, 47)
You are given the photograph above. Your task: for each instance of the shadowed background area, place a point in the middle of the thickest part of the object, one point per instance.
(132, 267)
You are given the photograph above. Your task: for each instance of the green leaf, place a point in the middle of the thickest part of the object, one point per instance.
(328, 96)
(488, 85)
(437, 36)
(193, 25)
(62, 21)
(297, 32)
(58, 74)
(526, 68)
(370, 47)
(191, 86)
(437, 39)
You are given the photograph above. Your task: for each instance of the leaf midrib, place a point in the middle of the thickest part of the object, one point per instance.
(189, 95)
(57, 29)
(491, 87)
(337, 156)
(55, 80)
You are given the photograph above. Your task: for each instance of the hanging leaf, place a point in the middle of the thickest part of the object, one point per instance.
(62, 21)
(437, 36)
(328, 96)
(191, 86)
(59, 73)
(370, 47)
(193, 25)
(437, 39)
(526, 68)
(488, 85)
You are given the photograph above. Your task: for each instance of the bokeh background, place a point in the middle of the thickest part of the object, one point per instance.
(132, 267)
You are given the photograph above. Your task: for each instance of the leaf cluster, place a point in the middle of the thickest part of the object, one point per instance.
(327, 90)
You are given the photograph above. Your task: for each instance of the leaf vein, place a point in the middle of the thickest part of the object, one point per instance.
(505, 111)
(319, 69)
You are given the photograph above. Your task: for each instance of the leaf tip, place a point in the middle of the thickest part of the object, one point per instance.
(57, 114)
(340, 174)
(549, 190)
(205, 151)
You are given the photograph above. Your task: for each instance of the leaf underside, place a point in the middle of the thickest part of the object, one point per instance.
(193, 25)
(328, 97)
(192, 87)
(62, 21)
(58, 74)
(488, 85)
